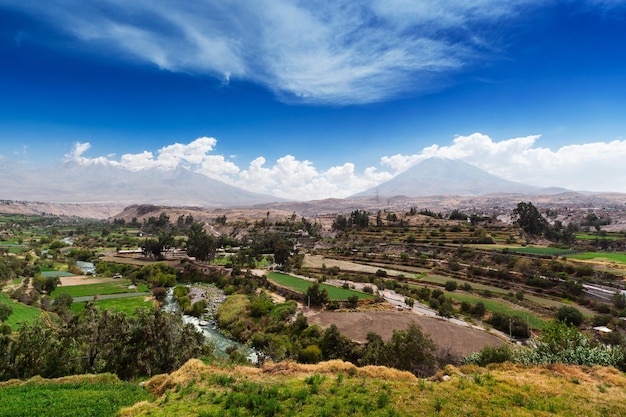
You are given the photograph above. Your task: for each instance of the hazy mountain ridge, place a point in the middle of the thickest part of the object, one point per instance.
(439, 176)
(103, 183)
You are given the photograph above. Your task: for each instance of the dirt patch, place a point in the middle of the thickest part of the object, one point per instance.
(83, 280)
(460, 340)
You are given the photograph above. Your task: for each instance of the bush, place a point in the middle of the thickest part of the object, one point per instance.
(490, 354)
(5, 311)
(479, 310)
(570, 316)
(450, 285)
(310, 354)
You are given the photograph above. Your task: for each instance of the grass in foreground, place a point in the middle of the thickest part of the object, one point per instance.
(340, 389)
(301, 285)
(100, 395)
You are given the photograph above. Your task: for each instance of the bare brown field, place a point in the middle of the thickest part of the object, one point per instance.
(83, 280)
(459, 340)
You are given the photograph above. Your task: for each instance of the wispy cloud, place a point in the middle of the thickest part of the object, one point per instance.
(328, 52)
(590, 167)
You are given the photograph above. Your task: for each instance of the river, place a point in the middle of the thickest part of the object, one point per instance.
(208, 325)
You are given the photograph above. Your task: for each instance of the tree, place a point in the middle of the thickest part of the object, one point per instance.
(353, 301)
(45, 284)
(570, 316)
(334, 345)
(340, 223)
(5, 311)
(282, 251)
(451, 285)
(411, 350)
(529, 219)
(314, 296)
(199, 243)
(62, 302)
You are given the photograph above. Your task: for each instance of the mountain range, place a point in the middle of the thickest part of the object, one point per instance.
(440, 176)
(72, 182)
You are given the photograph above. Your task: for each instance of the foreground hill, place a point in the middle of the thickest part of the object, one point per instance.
(338, 389)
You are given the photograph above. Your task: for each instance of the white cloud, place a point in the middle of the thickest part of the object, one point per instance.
(336, 52)
(594, 166)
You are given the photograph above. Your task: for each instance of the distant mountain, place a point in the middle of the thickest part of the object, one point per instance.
(105, 183)
(439, 176)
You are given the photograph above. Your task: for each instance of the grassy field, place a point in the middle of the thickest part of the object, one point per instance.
(545, 302)
(497, 306)
(618, 257)
(538, 250)
(340, 389)
(301, 285)
(127, 305)
(101, 395)
(21, 312)
(117, 287)
(586, 236)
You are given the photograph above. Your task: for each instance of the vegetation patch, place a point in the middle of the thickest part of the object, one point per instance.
(127, 305)
(541, 250)
(330, 389)
(118, 287)
(302, 285)
(101, 395)
(21, 312)
(619, 257)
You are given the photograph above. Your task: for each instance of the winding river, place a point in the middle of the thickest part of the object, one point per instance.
(208, 326)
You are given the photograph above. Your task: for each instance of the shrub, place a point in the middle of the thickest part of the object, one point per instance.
(450, 285)
(490, 354)
(570, 316)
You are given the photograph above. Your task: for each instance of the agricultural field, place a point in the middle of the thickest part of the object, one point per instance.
(541, 250)
(79, 396)
(120, 286)
(127, 305)
(499, 306)
(617, 257)
(21, 312)
(301, 285)
(608, 236)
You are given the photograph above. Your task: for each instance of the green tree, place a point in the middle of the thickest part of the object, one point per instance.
(200, 244)
(315, 296)
(411, 350)
(529, 219)
(45, 284)
(5, 311)
(63, 301)
(570, 315)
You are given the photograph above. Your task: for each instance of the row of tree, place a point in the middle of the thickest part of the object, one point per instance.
(149, 343)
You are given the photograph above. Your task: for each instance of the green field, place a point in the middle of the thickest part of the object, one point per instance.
(117, 287)
(619, 257)
(126, 305)
(105, 395)
(497, 306)
(301, 285)
(586, 236)
(21, 312)
(538, 250)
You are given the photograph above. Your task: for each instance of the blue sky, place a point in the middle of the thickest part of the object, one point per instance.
(315, 98)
